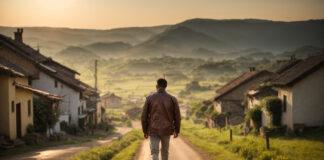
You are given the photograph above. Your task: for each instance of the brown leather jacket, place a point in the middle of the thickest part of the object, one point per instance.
(161, 114)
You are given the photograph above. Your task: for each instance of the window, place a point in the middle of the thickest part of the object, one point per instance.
(29, 107)
(70, 118)
(29, 81)
(12, 106)
(284, 103)
(81, 95)
(55, 84)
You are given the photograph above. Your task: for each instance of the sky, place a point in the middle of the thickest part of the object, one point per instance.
(106, 14)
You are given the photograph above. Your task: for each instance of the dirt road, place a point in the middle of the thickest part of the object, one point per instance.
(62, 152)
(179, 150)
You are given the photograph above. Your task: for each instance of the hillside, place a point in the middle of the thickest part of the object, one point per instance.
(196, 38)
(178, 41)
(109, 49)
(303, 51)
(53, 40)
(267, 35)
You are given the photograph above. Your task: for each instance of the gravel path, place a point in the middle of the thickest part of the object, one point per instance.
(179, 150)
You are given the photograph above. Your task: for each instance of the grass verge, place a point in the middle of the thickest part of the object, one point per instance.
(309, 145)
(124, 148)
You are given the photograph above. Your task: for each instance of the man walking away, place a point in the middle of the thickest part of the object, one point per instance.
(160, 119)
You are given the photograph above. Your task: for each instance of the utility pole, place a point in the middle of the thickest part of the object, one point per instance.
(95, 75)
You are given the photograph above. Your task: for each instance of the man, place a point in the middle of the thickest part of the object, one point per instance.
(160, 119)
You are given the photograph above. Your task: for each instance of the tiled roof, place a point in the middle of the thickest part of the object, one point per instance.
(286, 66)
(239, 81)
(14, 67)
(299, 71)
(108, 95)
(6, 70)
(70, 81)
(38, 59)
(38, 92)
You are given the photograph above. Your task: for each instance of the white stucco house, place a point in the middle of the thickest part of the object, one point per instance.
(72, 104)
(301, 89)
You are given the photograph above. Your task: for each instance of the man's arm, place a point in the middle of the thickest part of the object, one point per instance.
(177, 117)
(145, 118)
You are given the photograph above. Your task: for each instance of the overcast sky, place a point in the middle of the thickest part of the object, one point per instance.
(105, 14)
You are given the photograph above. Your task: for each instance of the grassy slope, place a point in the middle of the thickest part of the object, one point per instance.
(124, 148)
(310, 146)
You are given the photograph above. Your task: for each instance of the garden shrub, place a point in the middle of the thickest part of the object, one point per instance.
(255, 114)
(30, 128)
(63, 125)
(69, 128)
(45, 116)
(214, 114)
(273, 107)
(246, 153)
(266, 155)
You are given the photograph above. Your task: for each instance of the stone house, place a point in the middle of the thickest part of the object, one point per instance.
(301, 89)
(16, 97)
(47, 75)
(229, 97)
(110, 100)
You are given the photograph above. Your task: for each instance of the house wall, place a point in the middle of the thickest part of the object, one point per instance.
(71, 101)
(111, 102)
(9, 93)
(308, 93)
(22, 96)
(252, 102)
(17, 59)
(287, 117)
(218, 106)
(6, 97)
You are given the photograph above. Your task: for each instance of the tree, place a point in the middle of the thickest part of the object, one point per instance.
(45, 116)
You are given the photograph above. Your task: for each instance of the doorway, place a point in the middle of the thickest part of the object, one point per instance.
(18, 119)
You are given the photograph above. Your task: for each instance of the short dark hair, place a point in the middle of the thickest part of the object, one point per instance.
(162, 83)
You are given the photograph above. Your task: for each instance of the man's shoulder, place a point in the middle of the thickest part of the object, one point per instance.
(172, 97)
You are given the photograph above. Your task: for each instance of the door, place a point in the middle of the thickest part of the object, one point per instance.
(18, 119)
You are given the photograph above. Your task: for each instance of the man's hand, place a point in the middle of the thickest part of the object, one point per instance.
(175, 135)
(146, 136)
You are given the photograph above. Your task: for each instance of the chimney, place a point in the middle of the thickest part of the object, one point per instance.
(252, 69)
(18, 35)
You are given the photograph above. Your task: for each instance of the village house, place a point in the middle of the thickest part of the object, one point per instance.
(16, 97)
(229, 97)
(110, 100)
(301, 90)
(95, 114)
(47, 75)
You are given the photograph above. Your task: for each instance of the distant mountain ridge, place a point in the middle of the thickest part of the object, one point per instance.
(201, 38)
